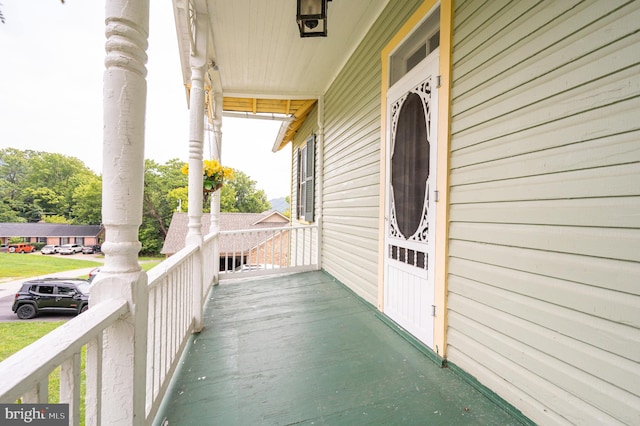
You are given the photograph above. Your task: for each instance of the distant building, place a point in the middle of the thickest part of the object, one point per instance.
(52, 233)
(250, 248)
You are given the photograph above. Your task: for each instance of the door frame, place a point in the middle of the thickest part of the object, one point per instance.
(442, 174)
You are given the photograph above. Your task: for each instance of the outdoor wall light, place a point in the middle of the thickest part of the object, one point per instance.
(312, 18)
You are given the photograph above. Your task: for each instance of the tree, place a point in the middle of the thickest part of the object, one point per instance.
(34, 183)
(54, 219)
(86, 202)
(158, 202)
(248, 199)
(287, 212)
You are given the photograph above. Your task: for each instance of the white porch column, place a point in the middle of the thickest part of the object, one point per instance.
(196, 139)
(124, 102)
(319, 176)
(215, 200)
(196, 136)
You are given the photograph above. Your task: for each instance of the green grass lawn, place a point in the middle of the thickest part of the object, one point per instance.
(19, 266)
(30, 265)
(17, 335)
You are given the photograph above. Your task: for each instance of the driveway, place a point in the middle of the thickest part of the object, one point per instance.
(9, 289)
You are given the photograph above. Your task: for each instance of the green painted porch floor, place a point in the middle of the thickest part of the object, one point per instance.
(302, 349)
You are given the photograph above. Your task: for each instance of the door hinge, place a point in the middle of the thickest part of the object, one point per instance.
(438, 80)
(436, 195)
(433, 310)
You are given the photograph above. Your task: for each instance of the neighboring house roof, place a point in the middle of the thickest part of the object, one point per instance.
(48, 230)
(177, 233)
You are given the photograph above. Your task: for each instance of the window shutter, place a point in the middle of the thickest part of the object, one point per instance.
(309, 179)
(302, 161)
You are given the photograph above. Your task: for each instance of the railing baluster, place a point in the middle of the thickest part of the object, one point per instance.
(70, 387)
(39, 394)
(273, 252)
(93, 387)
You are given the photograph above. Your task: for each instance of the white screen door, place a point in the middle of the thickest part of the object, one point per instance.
(410, 201)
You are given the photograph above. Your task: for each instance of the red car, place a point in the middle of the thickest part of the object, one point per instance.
(21, 248)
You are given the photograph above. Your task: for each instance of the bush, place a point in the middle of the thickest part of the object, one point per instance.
(38, 246)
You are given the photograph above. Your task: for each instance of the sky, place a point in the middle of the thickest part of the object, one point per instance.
(51, 70)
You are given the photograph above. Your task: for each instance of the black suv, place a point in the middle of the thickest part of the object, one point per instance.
(51, 295)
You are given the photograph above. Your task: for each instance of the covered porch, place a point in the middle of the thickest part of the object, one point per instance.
(303, 349)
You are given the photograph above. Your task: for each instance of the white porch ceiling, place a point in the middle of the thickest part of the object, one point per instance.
(259, 51)
(260, 56)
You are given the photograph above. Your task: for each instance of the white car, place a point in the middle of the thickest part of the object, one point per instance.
(50, 249)
(70, 249)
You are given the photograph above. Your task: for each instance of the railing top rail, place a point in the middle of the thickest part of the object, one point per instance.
(24, 369)
(210, 236)
(275, 228)
(169, 264)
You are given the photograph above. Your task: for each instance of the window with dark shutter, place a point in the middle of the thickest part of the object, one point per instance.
(306, 168)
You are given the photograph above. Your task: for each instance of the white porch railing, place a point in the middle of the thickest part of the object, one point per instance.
(25, 374)
(172, 315)
(254, 252)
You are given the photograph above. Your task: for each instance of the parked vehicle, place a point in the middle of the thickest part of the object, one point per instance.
(70, 249)
(93, 273)
(21, 248)
(3, 248)
(51, 295)
(50, 249)
(91, 249)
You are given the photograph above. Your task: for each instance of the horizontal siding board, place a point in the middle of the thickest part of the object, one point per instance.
(544, 232)
(523, 392)
(366, 160)
(564, 362)
(610, 243)
(464, 11)
(561, 30)
(613, 150)
(589, 125)
(362, 216)
(579, 79)
(591, 96)
(598, 53)
(504, 25)
(543, 377)
(562, 310)
(358, 237)
(622, 212)
(364, 203)
(356, 194)
(344, 182)
(362, 141)
(344, 269)
(613, 181)
(617, 275)
(474, 22)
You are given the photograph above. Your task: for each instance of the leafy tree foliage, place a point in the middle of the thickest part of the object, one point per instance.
(86, 201)
(287, 212)
(159, 203)
(55, 219)
(247, 198)
(35, 184)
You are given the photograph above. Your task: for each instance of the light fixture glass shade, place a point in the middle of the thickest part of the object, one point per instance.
(312, 18)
